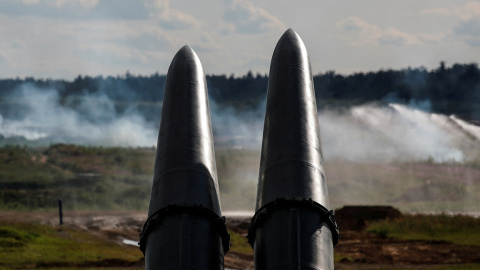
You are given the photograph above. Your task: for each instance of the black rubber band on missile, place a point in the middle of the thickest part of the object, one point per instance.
(327, 215)
(156, 219)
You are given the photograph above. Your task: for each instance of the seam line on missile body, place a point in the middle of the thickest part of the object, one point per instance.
(286, 161)
(185, 169)
(310, 144)
(284, 68)
(189, 126)
(157, 217)
(187, 81)
(165, 155)
(328, 216)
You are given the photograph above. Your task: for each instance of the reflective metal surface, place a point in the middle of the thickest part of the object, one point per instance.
(291, 162)
(185, 171)
(292, 227)
(184, 229)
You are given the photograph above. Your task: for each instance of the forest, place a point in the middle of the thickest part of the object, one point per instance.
(447, 90)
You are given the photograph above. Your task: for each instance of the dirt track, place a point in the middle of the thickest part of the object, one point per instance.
(358, 249)
(363, 248)
(119, 226)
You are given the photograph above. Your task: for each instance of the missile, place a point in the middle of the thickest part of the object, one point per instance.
(293, 227)
(185, 228)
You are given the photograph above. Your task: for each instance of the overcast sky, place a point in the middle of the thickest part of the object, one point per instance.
(65, 38)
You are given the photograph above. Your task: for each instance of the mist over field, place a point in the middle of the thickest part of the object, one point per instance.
(375, 153)
(365, 133)
(90, 119)
(372, 133)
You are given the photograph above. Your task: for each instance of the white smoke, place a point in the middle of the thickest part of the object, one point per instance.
(372, 133)
(471, 129)
(93, 122)
(367, 133)
(239, 130)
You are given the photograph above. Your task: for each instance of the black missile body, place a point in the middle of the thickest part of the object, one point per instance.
(185, 229)
(292, 227)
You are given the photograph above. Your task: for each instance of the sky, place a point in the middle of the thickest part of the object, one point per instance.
(61, 39)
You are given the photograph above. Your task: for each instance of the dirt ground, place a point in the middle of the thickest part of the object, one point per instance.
(357, 249)
(363, 248)
(122, 227)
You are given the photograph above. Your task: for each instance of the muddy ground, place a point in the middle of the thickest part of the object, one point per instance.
(357, 249)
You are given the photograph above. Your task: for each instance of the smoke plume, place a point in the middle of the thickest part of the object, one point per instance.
(366, 133)
(90, 119)
(374, 133)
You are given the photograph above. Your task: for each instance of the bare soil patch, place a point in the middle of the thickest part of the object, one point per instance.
(356, 249)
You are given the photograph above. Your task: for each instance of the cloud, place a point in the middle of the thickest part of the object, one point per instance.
(76, 9)
(126, 49)
(468, 28)
(465, 12)
(361, 33)
(393, 36)
(176, 20)
(168, 18)
(206, 43)
(469, 31)
(29, 2)
(39, 46)
(109, 54)
(243, 17)
(88, 4)
(3, 60)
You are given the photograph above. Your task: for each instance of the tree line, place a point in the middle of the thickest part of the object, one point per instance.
(447, 90)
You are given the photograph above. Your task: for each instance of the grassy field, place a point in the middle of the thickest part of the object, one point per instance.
(460, 230)
(97, 178)
(33, 245)
(412, 242)
(25, 245)
(84, 177)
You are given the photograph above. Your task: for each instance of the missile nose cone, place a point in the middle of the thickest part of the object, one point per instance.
(291, 163)
(290, 52)
(292, 196)
(185, 171)
(184, 229)
(185, 66)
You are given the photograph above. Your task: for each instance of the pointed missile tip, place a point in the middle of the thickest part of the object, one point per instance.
(289, 52)
(290, 35)
(186, 48)
(185, 64)
(290, 31)
(289, 38)
(185, 52)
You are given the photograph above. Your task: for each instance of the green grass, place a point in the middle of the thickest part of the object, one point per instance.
(85, 268)
(337, 257)
(113, 178)
(456, 267)
(433, 267)
(239, 243)
(11, 237)
(461, 230)
(34, 245)
(85, 178)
